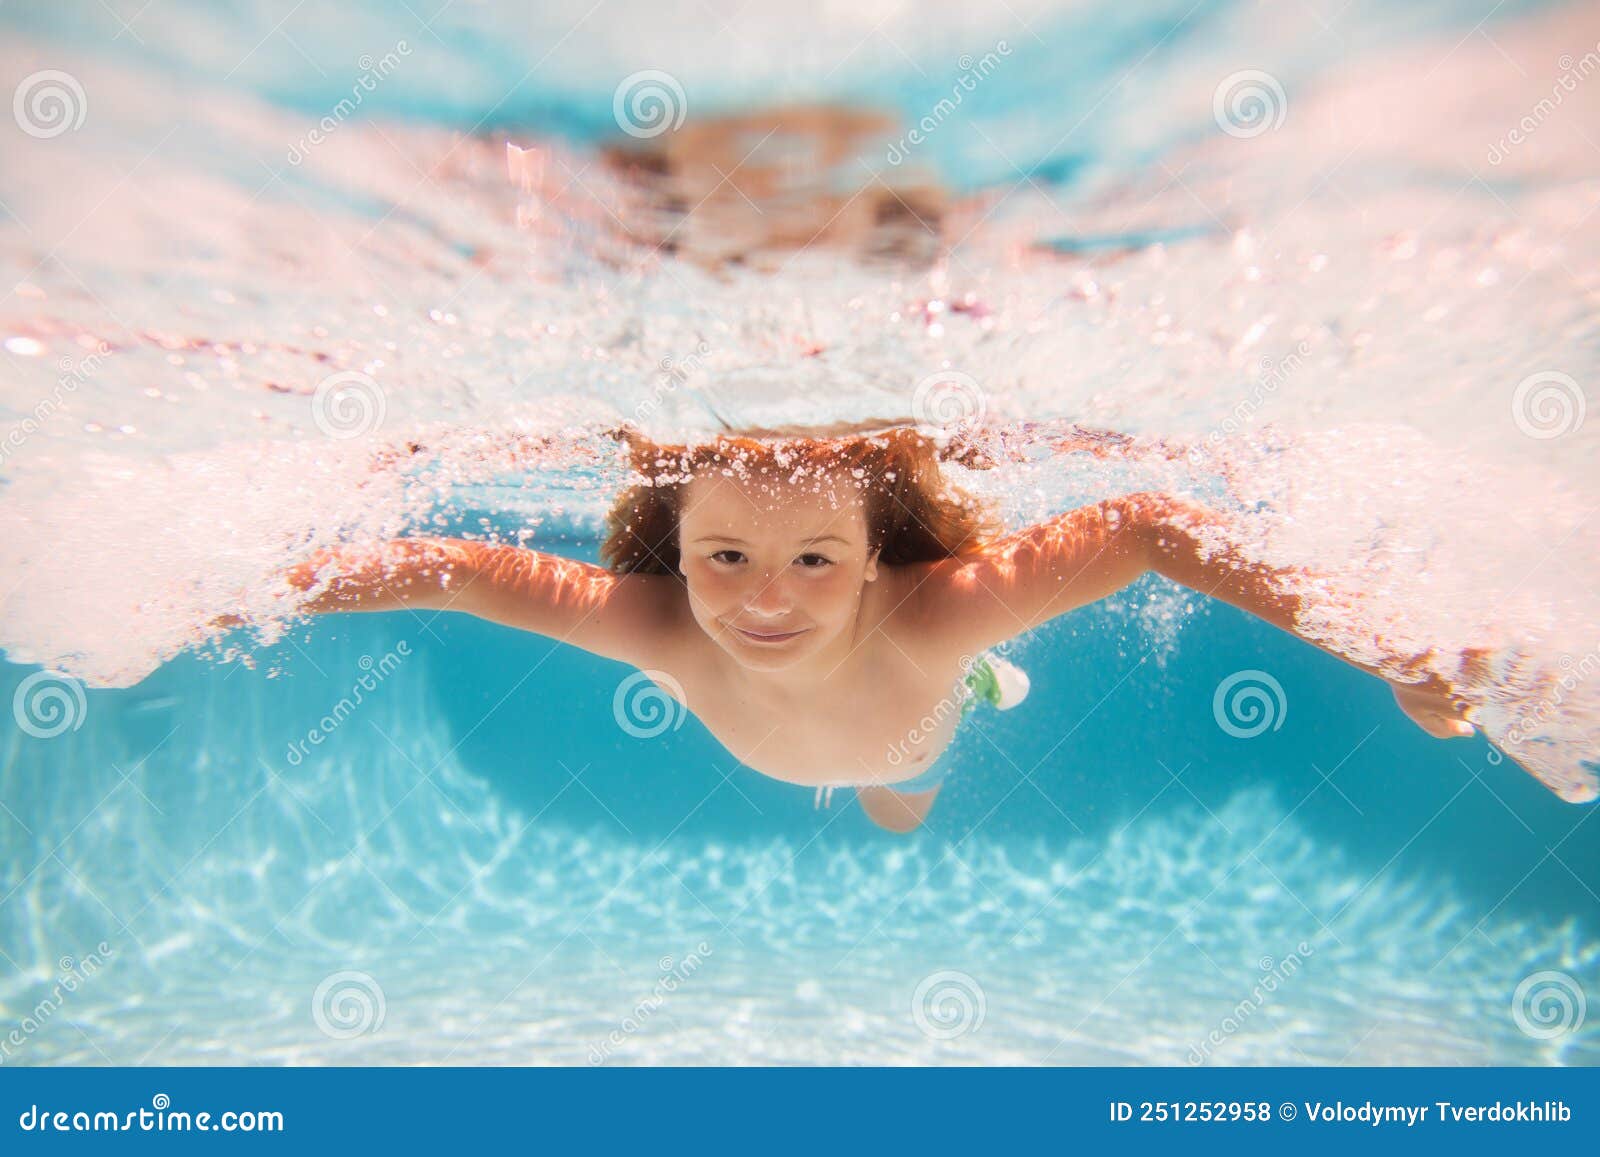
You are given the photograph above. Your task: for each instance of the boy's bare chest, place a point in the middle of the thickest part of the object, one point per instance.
(882, 725)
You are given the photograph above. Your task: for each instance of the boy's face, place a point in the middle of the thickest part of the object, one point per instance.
(775, 568)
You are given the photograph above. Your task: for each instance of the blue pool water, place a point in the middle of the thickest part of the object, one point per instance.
(418, 838)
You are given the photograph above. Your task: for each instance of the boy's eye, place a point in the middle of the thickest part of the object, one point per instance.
(728, 556)
(814, 560)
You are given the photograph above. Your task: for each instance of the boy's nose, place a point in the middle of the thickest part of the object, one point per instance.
(769, 599)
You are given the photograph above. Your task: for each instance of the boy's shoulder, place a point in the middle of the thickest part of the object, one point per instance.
(922, 604)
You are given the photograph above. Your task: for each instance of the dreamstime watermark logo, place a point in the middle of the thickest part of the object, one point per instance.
(1248, 702)
(374, 673)
(673, 974)
(1273, 973)
(948, 1004)
(372, 71)
(49, 103)
(1572, 72)
(1249, 103)
(649, 703)
(47, 704)
(74, 971)
(1548, 404)
(348, 1004)
(1548, 1004)
(1573, 672)
(72, 375)
(973, 72)
(649, 103)
(1271, 376)
(670, 377)
(948, 399)
(348, 404)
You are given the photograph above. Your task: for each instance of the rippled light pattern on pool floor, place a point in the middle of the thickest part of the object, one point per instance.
(359, 911)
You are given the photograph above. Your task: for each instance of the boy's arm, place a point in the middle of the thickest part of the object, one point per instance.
(1082, 556)
(1172, 527)
(620, 617)
(1028, 578)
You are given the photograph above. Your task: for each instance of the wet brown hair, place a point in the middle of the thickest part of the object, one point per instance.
(913, 514)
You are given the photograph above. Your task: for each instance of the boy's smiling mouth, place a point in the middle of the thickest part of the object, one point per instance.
(766, 638)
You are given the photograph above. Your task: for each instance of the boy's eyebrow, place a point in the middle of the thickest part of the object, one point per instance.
(742, 542)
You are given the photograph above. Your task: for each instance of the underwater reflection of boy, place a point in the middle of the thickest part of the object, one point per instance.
(816, 601)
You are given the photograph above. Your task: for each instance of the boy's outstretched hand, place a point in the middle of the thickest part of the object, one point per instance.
(1436, 712)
